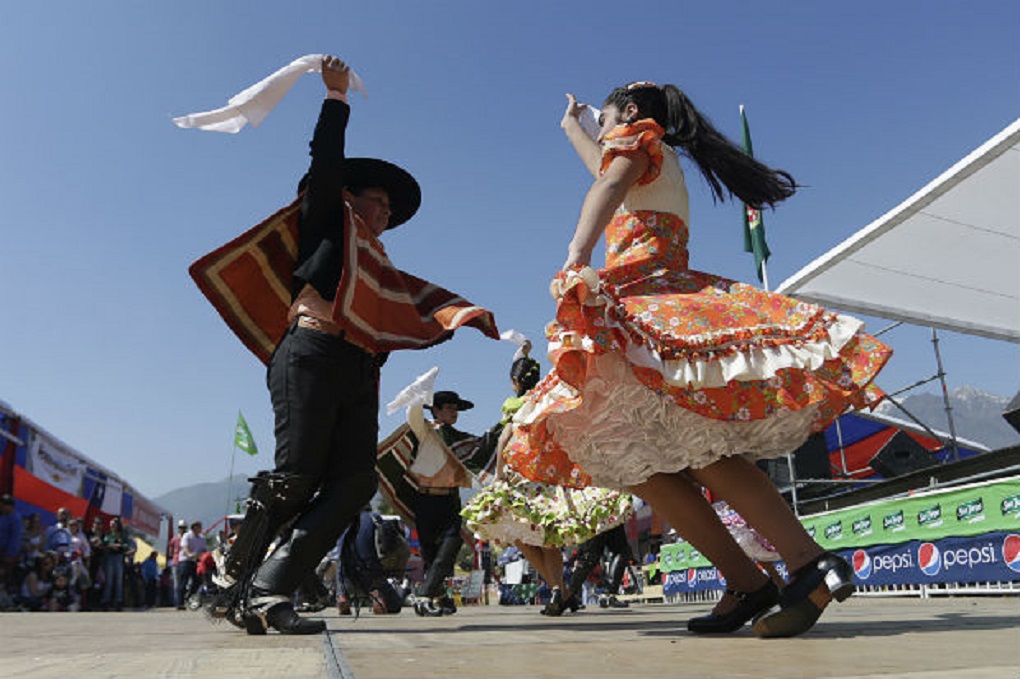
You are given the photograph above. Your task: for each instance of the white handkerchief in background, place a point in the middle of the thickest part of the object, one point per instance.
(517, 338)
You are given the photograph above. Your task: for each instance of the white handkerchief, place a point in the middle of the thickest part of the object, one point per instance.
(517, 338)
(589, 120)
(418, 392)
(254, 104)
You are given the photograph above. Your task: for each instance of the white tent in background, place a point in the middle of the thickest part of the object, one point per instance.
(947, 257)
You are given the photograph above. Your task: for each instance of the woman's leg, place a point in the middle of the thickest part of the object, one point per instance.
(554, 566)
(107, 579)
(118, 581)
(543, 558)
(749, 491)
(681, 504)
(816, 577)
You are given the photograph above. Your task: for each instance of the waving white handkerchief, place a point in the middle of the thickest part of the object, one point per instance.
(417, 392)
(589, 120)
(254, 104)
(518, 338)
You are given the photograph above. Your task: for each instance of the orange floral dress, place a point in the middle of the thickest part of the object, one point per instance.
(659, 368)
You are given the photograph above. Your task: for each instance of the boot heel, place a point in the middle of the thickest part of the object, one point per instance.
(840, 588)
(254, 625)
(811, 589)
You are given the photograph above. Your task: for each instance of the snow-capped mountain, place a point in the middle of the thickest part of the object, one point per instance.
(977, 415)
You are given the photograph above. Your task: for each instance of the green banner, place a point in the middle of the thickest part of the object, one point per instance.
(960, 512)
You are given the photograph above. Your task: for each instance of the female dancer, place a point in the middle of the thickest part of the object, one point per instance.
(540, 519)
(666, 378)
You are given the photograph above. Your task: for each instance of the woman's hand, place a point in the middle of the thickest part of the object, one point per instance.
(576, 257)
(573, 113)
(587, 148)
(336, 75)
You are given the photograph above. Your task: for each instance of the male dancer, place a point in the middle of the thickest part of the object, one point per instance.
(437, 514)
(588, 556)
(349, 306)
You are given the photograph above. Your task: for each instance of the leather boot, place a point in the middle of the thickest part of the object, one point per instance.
(275, 610)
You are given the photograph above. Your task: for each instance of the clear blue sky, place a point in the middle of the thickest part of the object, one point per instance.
(105, 341)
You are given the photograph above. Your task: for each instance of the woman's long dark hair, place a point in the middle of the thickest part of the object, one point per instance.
(721, 161)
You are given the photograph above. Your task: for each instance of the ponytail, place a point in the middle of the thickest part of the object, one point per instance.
(721, 162)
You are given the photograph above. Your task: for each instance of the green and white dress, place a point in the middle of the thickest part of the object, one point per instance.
(514, 508)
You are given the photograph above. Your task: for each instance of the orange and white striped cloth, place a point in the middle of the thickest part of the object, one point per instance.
(379, 307)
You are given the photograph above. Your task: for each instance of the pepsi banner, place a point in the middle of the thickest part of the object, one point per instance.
(994, 557)
(692, 580)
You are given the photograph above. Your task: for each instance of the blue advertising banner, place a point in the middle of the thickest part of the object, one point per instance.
(992, 557)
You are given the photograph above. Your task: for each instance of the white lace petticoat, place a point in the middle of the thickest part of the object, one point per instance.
(622, 432)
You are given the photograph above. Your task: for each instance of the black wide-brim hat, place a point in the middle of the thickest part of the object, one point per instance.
(441, 398)
(402, 189)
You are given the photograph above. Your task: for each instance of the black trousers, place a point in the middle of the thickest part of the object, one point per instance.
(438, 521)
(325, 394)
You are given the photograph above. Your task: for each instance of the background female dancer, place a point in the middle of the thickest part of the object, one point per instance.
(666, 379)
(538, 518)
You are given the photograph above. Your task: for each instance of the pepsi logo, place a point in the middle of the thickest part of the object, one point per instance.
(692, 577)
(929, 558)
(1011, 552)
(862, 564)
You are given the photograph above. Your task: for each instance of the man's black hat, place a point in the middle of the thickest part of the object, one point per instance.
(441, 398)
(401, 188)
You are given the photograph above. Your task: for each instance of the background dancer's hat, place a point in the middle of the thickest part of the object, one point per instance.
(441, 398)
(402, 189)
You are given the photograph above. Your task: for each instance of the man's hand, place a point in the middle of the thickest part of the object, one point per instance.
(335, 74)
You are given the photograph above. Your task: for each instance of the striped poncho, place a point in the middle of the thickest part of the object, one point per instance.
(379, 307)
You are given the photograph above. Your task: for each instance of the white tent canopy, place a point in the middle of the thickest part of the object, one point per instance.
(947, 257)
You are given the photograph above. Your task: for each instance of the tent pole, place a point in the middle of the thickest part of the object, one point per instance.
(230, 479)
(793, 483)
(945, 394)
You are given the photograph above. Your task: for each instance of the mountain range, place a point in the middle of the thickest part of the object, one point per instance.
(977, 416)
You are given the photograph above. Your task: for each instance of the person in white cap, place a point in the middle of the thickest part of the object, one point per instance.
(173, 555)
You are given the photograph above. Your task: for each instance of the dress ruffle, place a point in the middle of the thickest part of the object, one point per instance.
(699, 369)
(513, 508)
(642, 136)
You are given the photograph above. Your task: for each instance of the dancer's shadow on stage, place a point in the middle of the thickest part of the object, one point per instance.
(871, 627)
(643, 626)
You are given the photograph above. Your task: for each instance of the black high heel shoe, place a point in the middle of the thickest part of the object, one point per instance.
(749, 605)
(812, 587)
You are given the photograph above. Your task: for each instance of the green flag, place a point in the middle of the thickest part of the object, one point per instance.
(242, 436)
(754, 226)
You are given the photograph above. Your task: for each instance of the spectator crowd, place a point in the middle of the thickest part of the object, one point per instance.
(69, 566)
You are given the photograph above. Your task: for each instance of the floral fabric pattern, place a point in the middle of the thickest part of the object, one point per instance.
(513, 508)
